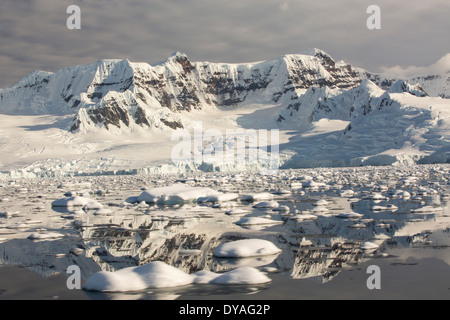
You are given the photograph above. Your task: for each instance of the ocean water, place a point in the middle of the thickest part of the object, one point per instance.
(324, 253)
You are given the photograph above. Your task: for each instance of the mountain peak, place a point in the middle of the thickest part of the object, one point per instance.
(176, 55)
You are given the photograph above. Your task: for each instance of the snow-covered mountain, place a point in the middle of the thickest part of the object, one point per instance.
(330, 113)
(124, 94)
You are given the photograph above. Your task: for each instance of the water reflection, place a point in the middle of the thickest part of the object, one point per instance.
(184, 236)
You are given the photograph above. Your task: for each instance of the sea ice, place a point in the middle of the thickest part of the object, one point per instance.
(246, 248)
(349, 215)
(155, 274)
(77, 201)
(158, 274)
(181, 193)
(251, 221)
(266, 204)
(252, 197)
(45, 235)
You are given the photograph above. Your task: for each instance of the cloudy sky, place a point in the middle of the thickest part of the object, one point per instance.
(34, 35)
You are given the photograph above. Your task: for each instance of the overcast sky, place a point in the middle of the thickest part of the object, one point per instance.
(33, 33)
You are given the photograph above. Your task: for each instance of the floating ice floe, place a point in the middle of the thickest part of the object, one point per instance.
(246, 248)
(282, 192)
(369, 246)
(45, 235)
(77, 201)
(426, 209)
(347, 193)
(252, 221)
(301, 217)
(182, 193)
(389, 207)
(320, 209)
(321, 202)
(401, 194)
(155, 274)
(376, 196)
(349, 215)
(282, 208)
(253, 197)
(237, 212)
(266, 204)
(103, 212)
(158, 274)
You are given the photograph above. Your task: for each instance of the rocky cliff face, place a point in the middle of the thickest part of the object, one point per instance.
(121, 94)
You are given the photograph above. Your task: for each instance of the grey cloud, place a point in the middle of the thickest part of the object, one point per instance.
(36, 36)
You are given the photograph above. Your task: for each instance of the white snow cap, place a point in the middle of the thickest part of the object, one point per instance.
(246, 248)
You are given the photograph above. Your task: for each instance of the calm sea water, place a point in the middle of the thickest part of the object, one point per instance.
(320, 259)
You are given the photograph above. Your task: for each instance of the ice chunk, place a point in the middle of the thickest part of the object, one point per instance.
(77, 201)
(236, 212)
(263, 196)
(369, 246)
(282, 208)
(181, 193)
(246, 248)
(349, 215)
(155, 274)
(45, 235)
(266, 204)
(250, 221)
(158, 274)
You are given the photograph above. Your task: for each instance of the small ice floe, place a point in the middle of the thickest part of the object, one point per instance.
(321, 202)
(246, 248)
(103, 212)
(237, 212)
(158, 274)
(424, 191)
(19, 226)
(282, 192)
(358, 226)
(302, 217)
(77, 251)
(320, 209)
(375, 196)
(369, 246)
(426, 209)
(253, 197)
(253, 221)
(282, 208)
(349, 215)
(224, 205)
(155, 274)
(182, 193)
(383, 225)
(401, 194)
(389, 207)
(266, 204)
(77, 201)
(347, 193)
(45, 235)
